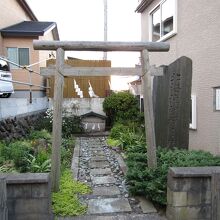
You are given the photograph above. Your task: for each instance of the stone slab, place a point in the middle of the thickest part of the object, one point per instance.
(31, 216)
(98, 164)
(75, 167)
(97, 180)
(99, 158)
(98, 153)
(110, 205)
(193, 171)
(121, 163)
(106, 191)
(25, 178)
(92, 149)
(99, 171)
(146, 205)
(93, 146)
(116, 217)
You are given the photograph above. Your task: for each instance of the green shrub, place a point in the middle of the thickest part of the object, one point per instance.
(121, 106)
(17, 152)
(153, 182)
(42, 156)
(41, 134)
(71, 125)
(65, 202)
(117, 129)
(67, 148)
(2, 149)
(45, 122)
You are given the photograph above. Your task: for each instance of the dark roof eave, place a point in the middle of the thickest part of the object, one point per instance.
(91, 113)
(29, 29)
(27, 9)
(143, 5)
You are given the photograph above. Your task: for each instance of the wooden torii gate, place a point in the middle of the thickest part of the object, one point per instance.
(61, 70)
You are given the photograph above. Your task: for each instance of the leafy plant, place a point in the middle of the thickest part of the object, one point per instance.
(153, 182)
(65, 202)
(129, 139)
(113, 142)
(7, 167)
(35, 166)
(117, 129)
(42, 156)
(126, 136)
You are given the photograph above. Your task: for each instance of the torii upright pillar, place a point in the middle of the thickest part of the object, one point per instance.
(148, 110)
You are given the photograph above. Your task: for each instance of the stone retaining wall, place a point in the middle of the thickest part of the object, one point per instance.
(28, 196)
(17, 127)
(193, 193)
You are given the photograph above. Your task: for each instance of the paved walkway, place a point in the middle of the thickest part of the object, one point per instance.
(103, 169)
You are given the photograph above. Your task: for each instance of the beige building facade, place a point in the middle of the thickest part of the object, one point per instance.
(192, 29)
(16, 18)
(13, 12)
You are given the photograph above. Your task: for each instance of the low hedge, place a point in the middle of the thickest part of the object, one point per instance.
(153, 182)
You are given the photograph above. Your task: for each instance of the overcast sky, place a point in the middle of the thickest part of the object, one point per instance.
(83, 20)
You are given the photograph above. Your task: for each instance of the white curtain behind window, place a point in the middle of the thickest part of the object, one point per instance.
(13, 56)
(23, 56)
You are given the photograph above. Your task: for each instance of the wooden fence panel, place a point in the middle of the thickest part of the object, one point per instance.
(172, 95)
(99, 84)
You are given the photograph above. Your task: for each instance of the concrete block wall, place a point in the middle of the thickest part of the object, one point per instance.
(12, 107)
(79, 106)
(28, 196)
(190, 193)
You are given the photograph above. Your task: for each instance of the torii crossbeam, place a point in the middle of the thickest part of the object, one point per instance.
(62, 70)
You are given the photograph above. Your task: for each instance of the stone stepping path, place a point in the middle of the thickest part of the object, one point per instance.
(97, 165)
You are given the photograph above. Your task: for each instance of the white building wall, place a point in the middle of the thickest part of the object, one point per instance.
(197, 37)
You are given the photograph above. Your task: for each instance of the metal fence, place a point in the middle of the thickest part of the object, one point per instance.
(28, 69)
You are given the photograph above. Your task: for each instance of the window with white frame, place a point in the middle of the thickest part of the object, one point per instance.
(19, 56)
(217, 98)
(192, 123)
(163, 20)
